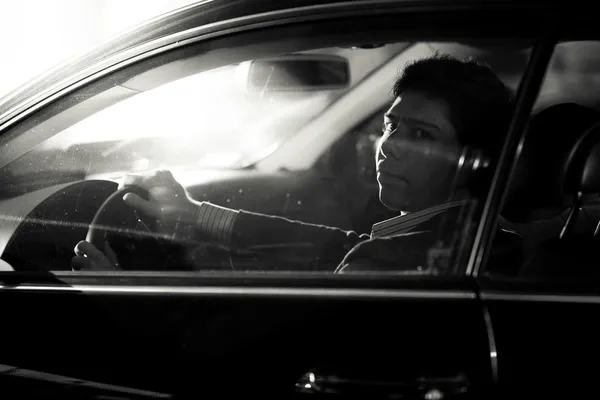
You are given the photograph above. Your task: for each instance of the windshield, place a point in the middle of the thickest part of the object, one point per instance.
(210, 123)
(208, 120)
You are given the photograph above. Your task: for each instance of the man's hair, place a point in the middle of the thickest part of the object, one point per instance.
(480, 103)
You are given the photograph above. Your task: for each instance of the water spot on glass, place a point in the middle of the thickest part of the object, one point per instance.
(299, 202)
(241, 191)
(434, 394)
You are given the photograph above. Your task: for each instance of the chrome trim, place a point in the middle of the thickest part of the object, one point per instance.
(244, 291)
(491, 343)
(541, 298)
(76, 383)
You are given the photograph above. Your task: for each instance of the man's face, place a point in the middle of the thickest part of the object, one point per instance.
(415, 160)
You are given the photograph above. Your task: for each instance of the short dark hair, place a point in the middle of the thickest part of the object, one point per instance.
(480, 103)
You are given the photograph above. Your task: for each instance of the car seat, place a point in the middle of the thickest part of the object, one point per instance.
(535, 206)
(556, 177)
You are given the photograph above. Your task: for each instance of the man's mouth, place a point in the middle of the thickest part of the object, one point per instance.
(388, 173)
(386, 178)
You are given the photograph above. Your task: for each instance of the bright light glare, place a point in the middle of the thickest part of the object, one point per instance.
(35, 35)
(204, 120)
(174, 110)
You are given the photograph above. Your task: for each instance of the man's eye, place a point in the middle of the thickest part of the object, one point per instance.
(421, 134)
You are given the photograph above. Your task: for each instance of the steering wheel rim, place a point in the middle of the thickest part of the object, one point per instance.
(117, 222)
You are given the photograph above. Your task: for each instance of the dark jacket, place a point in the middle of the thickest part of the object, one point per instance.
(275, 243)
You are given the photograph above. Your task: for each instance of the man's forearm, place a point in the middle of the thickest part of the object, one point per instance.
(274, 239)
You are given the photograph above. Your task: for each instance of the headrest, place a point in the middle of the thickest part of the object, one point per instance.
(581, 172)
(538, 187)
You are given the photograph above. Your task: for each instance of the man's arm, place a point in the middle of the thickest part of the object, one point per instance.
(255, 241)
(271, 242)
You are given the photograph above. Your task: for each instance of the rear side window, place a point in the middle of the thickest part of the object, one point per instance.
(553, 201)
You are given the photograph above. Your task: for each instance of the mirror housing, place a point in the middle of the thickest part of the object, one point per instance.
(298, 72)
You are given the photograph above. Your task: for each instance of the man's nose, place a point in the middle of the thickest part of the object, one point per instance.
(391, 146)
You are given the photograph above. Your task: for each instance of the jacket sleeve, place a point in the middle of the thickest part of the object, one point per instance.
(403, 253)
(263, 242)
(272, 242)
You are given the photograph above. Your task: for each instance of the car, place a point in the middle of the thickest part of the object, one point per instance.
(207, 92)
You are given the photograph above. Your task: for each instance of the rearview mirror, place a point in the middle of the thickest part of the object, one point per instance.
(298, 72)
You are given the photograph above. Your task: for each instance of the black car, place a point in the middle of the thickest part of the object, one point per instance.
(275, 108)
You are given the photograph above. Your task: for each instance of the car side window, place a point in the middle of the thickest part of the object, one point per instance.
(552, 202)
(222, 169)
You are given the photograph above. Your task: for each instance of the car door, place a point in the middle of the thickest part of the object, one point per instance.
(543, 317)
(228, 333)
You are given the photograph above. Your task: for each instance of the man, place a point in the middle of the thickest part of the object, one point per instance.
(441, 106)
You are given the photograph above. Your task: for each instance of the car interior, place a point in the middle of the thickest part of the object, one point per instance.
(552, 202)
(557, 186)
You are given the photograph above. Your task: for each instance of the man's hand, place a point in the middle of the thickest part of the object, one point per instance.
(89, 258)
(168, 204)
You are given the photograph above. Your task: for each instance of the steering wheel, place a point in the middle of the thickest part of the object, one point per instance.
(129, 234)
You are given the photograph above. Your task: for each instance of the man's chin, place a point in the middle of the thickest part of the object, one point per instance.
(393, 202)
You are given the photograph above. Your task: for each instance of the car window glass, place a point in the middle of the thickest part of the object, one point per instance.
(552, 202)
(271, 171)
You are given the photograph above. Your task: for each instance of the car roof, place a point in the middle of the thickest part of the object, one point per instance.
(207, 12)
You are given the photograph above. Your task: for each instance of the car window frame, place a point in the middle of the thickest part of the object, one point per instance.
(497, 183)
